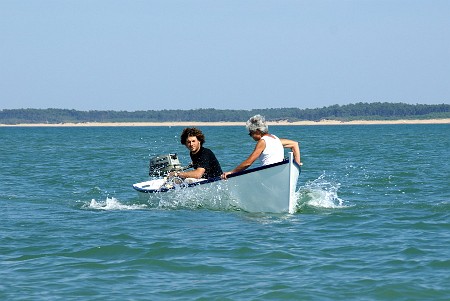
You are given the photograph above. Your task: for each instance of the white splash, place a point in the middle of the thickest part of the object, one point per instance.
(212, 196)
(320, 193)
(112, 204)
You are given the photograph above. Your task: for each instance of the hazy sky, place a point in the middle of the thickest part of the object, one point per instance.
(234, 54)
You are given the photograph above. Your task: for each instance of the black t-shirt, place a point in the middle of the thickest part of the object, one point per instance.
(206, 159)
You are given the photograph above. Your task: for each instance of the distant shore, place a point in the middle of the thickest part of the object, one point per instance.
(186, 123)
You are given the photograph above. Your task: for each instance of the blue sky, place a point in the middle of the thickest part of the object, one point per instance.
(189, 54)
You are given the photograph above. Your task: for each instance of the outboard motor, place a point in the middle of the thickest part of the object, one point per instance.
(161, 165)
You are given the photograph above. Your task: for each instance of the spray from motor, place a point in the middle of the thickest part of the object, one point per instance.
(161, 165)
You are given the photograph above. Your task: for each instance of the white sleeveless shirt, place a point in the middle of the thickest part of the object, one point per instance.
(274, 151)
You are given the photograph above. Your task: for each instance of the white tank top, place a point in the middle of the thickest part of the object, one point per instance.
(274, 151)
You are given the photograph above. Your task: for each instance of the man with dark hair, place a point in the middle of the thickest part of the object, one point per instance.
(203, 159)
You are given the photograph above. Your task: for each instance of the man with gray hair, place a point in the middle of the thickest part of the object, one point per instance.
(269, 148)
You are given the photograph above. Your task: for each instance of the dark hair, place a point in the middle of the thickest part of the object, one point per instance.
(192, 132)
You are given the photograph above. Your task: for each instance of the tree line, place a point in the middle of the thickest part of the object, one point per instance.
(357, 111)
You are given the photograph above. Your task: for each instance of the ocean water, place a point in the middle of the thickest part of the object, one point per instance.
(372, 220)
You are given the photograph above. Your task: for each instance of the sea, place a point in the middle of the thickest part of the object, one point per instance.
(372, 220)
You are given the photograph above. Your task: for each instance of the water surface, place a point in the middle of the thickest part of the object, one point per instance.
(372, 220)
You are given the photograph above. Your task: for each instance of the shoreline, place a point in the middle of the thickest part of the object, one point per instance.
(185, 123)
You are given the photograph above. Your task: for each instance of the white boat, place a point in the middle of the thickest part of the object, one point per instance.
(269, 188)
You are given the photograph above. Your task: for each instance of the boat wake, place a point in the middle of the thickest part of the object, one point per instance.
(112, 204)
(320, 193)
(214, 197)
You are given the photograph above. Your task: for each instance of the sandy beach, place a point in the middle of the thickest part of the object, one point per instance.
(198, 124)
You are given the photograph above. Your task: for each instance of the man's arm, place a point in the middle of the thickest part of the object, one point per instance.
(196, 173)
(294, 146)
(259, 148)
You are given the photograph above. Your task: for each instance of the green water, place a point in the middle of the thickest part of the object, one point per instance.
(373, 218)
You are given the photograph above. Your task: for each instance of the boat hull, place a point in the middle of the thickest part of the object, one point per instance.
(269, 188)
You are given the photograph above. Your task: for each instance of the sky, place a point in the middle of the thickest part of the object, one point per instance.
(225, 54)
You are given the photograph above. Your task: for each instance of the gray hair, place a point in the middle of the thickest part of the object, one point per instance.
(257, 122)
